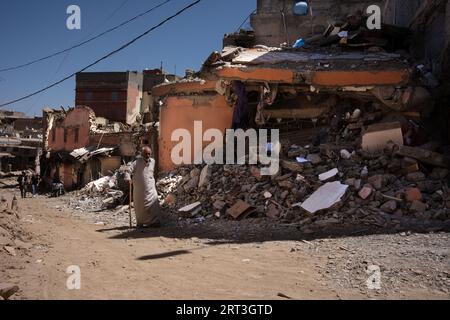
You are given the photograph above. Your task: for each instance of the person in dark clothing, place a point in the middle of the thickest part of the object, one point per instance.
(22, 180)
(34, 184)
(57, 187)
(241, 113)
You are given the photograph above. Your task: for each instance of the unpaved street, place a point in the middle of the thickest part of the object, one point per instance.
(251, 259)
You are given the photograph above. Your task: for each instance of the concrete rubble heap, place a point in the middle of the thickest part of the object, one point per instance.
(382, 189)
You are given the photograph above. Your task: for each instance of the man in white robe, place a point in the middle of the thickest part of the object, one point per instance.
(145, 196)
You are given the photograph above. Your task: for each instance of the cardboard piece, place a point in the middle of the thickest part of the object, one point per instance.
(378, 135)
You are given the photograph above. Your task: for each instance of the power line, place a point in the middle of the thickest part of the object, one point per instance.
(86, 41)
(104, 57)
(243, 22)
(113, 13)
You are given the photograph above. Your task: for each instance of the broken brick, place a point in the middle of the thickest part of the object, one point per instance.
(413, 194)
(365, 192)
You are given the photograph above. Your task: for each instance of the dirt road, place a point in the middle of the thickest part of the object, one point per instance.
(222, 260)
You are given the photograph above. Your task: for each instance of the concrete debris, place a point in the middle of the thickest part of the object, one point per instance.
(325, 197)
(240, 210)
(366, 183)
(389, 206)
(100, 185)
(418, 206)
(7, 290)
(328, 175)
(424, 156)
(413, 194)
(191, 210)
(365, 192)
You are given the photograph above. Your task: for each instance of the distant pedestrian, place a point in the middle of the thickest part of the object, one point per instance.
(22, 180)
(34, 184)
(57, 187)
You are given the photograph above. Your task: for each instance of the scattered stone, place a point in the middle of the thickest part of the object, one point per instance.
(328, 175)
(326, 222)
(256, 172)
(267, 195)
(418, 206)
(191, 210)
(292, 166)
(284, 194)
(350, 182)
(286, 184)
(7, 290)
(413, 194)
(191, 184)
(170, 200)
(439, 173)
(219, 205)
(345, 154)
(10, 250)
(314, 159)
(376, 181)
(195, 172)
(389, 206)
(365, 192)
(415, 177)
(240, 210)
(205, 175)
(272, 212)
(429, 186)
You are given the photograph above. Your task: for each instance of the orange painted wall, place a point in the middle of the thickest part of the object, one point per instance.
(78, 118)
(181, 112)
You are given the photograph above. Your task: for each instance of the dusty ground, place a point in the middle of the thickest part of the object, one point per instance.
(251, 259)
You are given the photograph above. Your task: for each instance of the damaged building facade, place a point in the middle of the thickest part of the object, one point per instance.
(110, 122)
(341, 80)
(20, 142)
(116, 96)
(362, 116)
(79, 147)
(394, 74)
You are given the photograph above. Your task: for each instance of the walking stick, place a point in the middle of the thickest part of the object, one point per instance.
(129, 211)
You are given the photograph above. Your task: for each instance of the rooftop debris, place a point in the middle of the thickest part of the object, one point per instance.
(84, 154)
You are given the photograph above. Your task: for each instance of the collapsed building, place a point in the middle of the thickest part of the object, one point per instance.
(20, 142)
(362, 115)
(80, 147)
(103, 131)
(368, 108)
(340, 65)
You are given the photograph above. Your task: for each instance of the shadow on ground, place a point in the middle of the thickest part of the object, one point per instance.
(261, 230)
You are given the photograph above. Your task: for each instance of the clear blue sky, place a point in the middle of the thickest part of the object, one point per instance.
(32, 29)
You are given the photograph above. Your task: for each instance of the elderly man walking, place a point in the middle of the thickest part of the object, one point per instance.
(145, 197)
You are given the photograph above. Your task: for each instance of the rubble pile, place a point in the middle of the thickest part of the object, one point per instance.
(13, 239)
(352, 176)
(108, 192)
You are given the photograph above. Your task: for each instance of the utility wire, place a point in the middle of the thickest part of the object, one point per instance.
(36, 101)
(86, 41)
(243, 22)
(104, 57)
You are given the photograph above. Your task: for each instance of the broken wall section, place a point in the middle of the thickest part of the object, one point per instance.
(269, 24)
